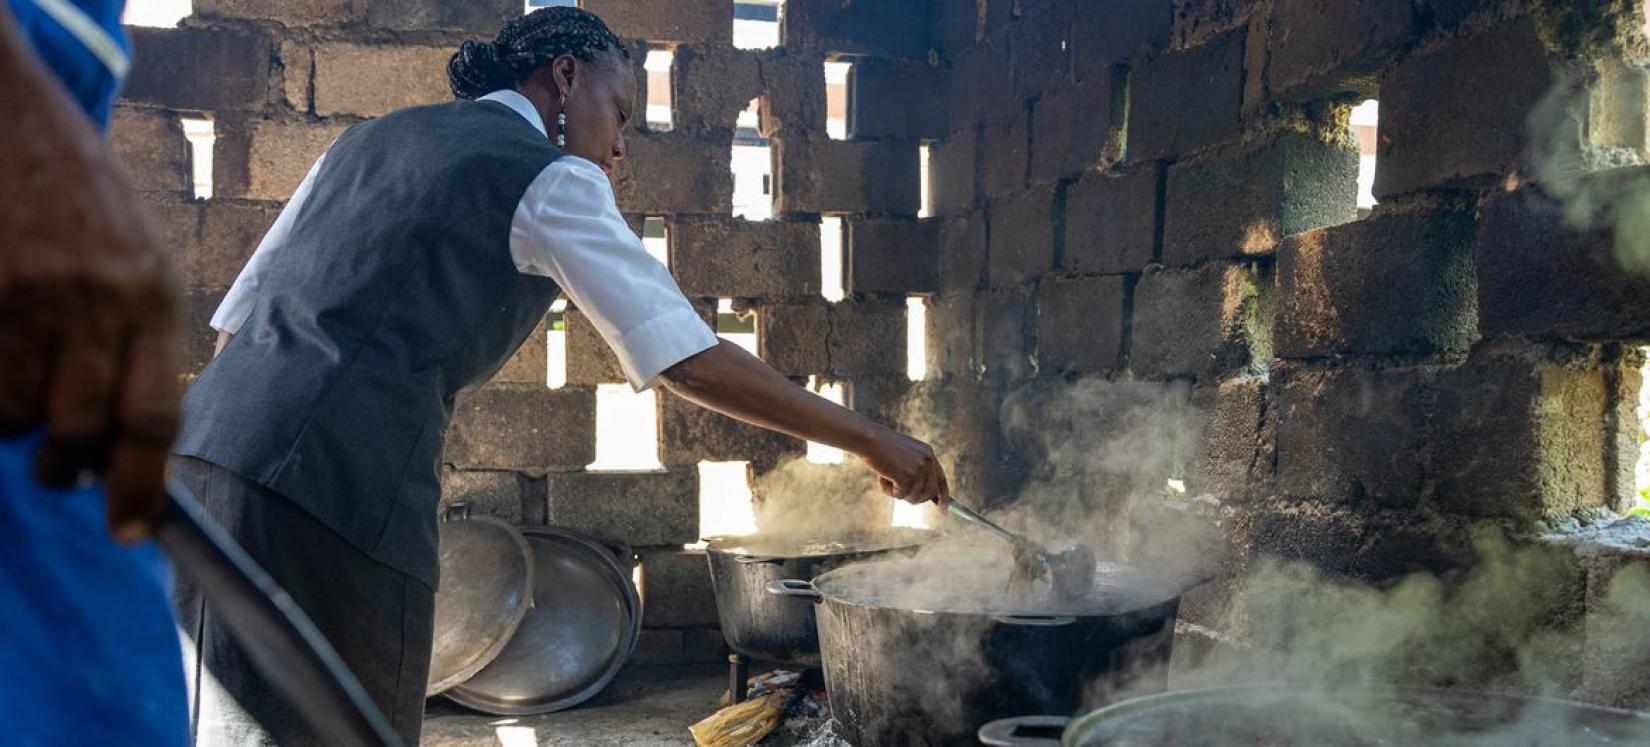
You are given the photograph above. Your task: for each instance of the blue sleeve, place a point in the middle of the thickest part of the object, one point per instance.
(88, 79)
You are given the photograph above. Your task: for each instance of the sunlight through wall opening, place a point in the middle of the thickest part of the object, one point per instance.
(1364, 119)
(737, 328)
(555, 347)
(924, 152)
(725, 500)
(658, 63)
(756, 23)
(202, 135)
(752, 166)
(157, 13)
(830, 258)
(656, 239)
(916, 338)
(910, 515)
(627, 430)
(820, 453)
(838, 77)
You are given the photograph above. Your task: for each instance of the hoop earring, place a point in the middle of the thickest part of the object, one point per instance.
(561, 124)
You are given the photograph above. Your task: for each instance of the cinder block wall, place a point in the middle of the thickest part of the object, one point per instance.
(282, 78)
(1165, 191)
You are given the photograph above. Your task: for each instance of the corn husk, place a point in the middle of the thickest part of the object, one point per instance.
(743, 723)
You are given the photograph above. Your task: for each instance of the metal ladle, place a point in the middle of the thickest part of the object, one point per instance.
(1070, 571)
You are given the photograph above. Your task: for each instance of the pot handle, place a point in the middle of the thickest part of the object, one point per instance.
(1046, 621)
(756, 559)
(793, 587)
(1023, 731)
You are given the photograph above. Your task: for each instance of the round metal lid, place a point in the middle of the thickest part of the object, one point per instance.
(582, 627)
(485, 592)
(781, 545)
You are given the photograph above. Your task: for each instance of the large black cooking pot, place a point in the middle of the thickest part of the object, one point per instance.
(775, 628)
(1286, 716)
(925, 658)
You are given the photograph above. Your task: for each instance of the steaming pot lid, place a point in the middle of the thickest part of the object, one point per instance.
(581, 629)
(485, 592)
(818, 545)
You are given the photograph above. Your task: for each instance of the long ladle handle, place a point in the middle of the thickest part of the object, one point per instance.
(970, 515)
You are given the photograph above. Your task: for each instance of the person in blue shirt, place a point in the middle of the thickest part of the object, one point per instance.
(88, 400)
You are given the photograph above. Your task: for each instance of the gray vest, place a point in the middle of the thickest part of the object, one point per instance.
(395, 291)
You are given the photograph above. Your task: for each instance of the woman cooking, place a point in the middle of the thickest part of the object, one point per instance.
(414, 258)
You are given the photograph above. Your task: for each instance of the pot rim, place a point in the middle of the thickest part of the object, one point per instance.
(720, 544)
(1168, 604)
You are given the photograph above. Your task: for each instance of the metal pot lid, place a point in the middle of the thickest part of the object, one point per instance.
(943, 582)
(1267, 714)
(486, 590)
(782, 545)
(584, 623)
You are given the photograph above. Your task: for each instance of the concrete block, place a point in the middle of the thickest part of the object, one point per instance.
(1111, 221)
(789, 335)
(523, 427)
(980, 81)
(1024, 230)
(690, 434)
(266, 159)
(1205, 323)
(676, 589)
(1320, 48)
(1242, 202)
(1074, 128)
(229, 231)
(793, 101)
(199, 338)
(1006, 324)
(886, 29)
(212, 70)
(1374, 547)
(717, 257)
(1352, 434)
(959, 29)
(892, 256)
(687, 21)
(1397, 283)
(589, 359)
(667, 173)
(962, 253)
(530, 363)
(658, 647)
(1540, 275)
(1233, 457)
(500, 495)
(1161, 125)
(951, 335)
(866, 338)
(1100, 40)
(895, 100)
(1005, 157)
(817, 175)
(1550, 458)
(151, 149)
(1041, 45)
(704, 645)
(952, 168)
(1080, 323)
(634, 508)
(368, 80)
(481, 17)
(711, 84)
(285, 12)
(298, 75)
(1441, 125)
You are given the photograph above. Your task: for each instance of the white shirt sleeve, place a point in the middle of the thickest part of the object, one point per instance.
(243, 293)
(568, 228)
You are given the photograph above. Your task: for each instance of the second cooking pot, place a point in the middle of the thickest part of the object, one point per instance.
(775, 628)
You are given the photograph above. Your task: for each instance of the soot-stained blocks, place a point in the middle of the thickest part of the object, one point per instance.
(735, 258)
(1204, 323)
(689, 21)
(1162, 121)
(635, 508)
(200, 69)
(523, 427)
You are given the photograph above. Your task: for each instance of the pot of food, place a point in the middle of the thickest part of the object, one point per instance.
(922, 651)
(1280, 716)
(776, 628)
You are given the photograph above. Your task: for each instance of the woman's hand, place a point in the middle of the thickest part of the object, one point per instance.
(906, 468)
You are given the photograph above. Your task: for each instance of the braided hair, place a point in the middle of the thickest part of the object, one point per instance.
(527, 44)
